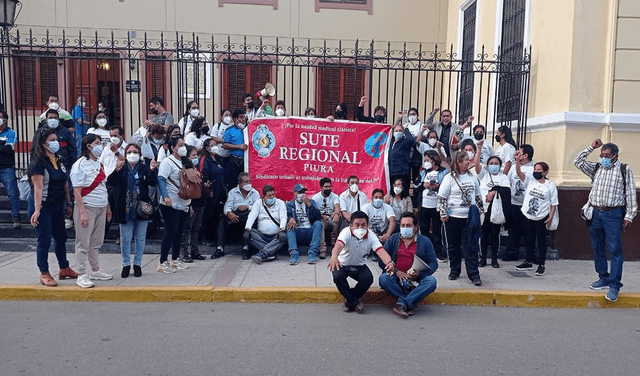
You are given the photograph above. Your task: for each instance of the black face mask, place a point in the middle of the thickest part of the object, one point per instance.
(250, 106)
(326, 192)
(379, 118)
(478, 136)
(175, 135)
(537, 175)
(154, 111)
(498, 138)
(340, 114)
(205, 129)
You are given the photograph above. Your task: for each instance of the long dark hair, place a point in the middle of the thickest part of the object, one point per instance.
(186, 162)
(167, 136)
(405, 190)
(508, 136)
(188, 111)
(39, 151)
(196, 126)
(86, 141)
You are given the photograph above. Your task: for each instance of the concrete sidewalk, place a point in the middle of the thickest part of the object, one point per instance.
(565, 284)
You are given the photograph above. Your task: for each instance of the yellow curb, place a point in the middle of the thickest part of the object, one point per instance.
(563, 299)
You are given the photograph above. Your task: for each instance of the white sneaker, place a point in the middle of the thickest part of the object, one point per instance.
(100, 275)
(177, 264)
(84, 281)
(166, 268)
(68, 223)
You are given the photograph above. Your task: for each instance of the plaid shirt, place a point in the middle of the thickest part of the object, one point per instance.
(607, 186)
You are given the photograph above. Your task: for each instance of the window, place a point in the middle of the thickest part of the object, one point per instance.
(466, 74)
(511, 57)
(37, 78)
(158, 79)
(273, 3)
(345, 4)
(240, 77)
(339, 84)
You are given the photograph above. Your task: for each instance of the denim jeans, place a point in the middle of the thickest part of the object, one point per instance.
(390, 284)
(137, 228)
(174, 221)
(269, 245)
(606, 230)
(310, 236)
(8, 179)
(361, 273)
(51, 223)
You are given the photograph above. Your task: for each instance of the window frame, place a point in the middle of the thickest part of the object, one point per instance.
(273, 3)
(345, 5)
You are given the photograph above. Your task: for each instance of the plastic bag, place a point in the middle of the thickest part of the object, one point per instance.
(497, 214)
(24, 187)
(554, 221)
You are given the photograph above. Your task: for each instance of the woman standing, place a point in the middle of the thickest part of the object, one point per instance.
(189, 251)
(458, 195)
(213, 179)
(540, 204)
(430, 179)
(400, 149)
(191, 114)
(100, 128)
(175, 210)
(49, 192)
(91, 210)
(507, 148)
(133, 180)
(399, 199)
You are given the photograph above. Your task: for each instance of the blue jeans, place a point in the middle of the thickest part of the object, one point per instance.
(8, 179)
(127, 231)
(269, 245)
(51, 224)
(606, 230)
(311, 236)
(390, 284)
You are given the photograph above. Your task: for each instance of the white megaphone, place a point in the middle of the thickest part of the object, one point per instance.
(268, 91)
(418, 265)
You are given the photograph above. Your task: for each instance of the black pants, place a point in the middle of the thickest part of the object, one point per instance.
(175, 221)
(225, 227)
(515, 231)
(535, 231)
(458, 240)
(490, 232)
(362, 274)
(430, 219)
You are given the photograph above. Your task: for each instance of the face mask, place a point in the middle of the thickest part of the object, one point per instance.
(53, 123)
(270, 201)
(83, 104)
(97, 151)
(340, 114)
(226, 120)
(397, 190)
(279, 112)
(133, 158)
(157, 141)
(250, 106)
(154, 111)
(195, 112)
(406, 232)
(428, 165)
(537, 175)
(377, 203)
(326, 192)
(101, 109)
(311, 116)
(213, 149)
(182, 151)
(194, 161)
(605, 162)
(115, 140)
(493, 169)
(471, 154)
(379, 118)
(360, 232)
(247, 187)
(478, 136)
(1, 122)
(397, 135)
(354, 188)
(413, 119)
(101, 122)
(432, 142)
(53, 147)
(498, 138)
(54, 106)
(240, 125)
(177, 135)
(299, 197)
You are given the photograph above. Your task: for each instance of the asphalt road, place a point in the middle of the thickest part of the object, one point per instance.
(71, 338)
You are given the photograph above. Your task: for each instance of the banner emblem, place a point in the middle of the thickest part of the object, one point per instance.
(263, 141)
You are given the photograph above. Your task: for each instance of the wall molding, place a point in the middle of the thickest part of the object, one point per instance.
(581, 120)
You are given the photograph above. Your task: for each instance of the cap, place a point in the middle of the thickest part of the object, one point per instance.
(299, 188)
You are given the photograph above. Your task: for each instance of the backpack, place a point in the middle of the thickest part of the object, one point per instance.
(190, 186)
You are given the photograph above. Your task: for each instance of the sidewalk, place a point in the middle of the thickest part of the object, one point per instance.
(565, 284)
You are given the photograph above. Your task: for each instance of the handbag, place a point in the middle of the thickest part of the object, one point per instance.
(144, 210)
(497, 213)
(190, 186)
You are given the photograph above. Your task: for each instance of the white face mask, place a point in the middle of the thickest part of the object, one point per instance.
(195, 112)
(432, 142)
(53, 123)
(428, 165)
(279, 112)
(213, 149)
(115, 140)
(226, 120)
(1, 122)
(97, 151)
(471, 154)
(241, 126)
(397, 190)
(299, 197)
(182, 151)
(133, 158)
(54, 106)
(83, 104)
(360, 232)
(413, 119)
(247, 187)
(354, 188)
(311, 116)
(102, 122)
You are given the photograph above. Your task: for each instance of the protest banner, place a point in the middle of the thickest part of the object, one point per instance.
(285, 151)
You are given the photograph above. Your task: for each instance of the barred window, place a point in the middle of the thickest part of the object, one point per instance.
(511, 58)
(37, 78)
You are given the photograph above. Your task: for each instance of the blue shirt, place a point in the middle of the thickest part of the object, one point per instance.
(234, 136)
(78, 114)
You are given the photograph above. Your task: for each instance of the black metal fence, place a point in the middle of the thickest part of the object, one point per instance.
(216, 71)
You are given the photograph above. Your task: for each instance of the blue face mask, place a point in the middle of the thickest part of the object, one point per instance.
(406, 232)
(194, 161)
(270, 201)
(493, 169)
(377, 203)
(605, 162)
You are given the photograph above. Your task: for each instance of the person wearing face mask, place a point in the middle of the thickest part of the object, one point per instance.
(310, 112)
(351, 200)
(398, 198)
(349, 260)
(47, 205)
(213, 179)
(111, 154)
(250, 110)
(507, 147)
(218, 130)
(304, 225)
(192, 113)
(492, 183)
(419, 132)
(66, 140)
(540, 204)
(329, 204)
(233, 140)
(382, 218)
(448, 132)
(199, 133)
(81, 124)
(399, 154)
(379, 113)
(613, 199)
(280, 109)
(65, 117)
(516, 223)
(237, 208)
(470, 148)
(486, 150)
(91, 210)
(7, 167)
(100, 127)
(150, 140)
(431, 143)
(270, 217)
(132, 180)
(189, 250)
(428, 183)
(173, 131)
(340, 113)
(409, 287)
(160, 115)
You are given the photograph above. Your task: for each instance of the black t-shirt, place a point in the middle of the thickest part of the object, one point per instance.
(53, 192)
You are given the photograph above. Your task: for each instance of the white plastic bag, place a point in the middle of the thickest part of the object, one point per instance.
(554, 221)
(24, 187)
(497, 214)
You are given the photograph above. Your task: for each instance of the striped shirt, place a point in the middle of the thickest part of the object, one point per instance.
(607, 188)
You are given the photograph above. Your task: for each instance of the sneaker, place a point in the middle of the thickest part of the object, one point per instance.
(412, 311)
(359, 308)
(477, 281)
(401, 311)
(541, 270)
(599, 284)
(137, 271)
(84, 281)
(68, 223)
(311, 259)
(525, 266)
(293, 260)
(47, 280)
(100, 275)
(258, 258)
(166, 268)
(177, 264)
(612, 295)
(245, 253)
(17, 223)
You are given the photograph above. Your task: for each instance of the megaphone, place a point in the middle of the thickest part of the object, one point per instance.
(418, 265)
(268, 91)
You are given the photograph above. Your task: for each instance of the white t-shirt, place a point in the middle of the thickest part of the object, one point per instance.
(538, 198)
(430, 196)
(350, 203)
(265, 223)
(459, 203)
(379, 217)
(423, 147)
(218, 130)
(83, 173)
(326, 204)
(102, 133)
(192, 140)
(355, 251)
(170, 170)
(488, 181)
(415, 129)
(506, 152)
(517, 185)
(301, 215)
(186, 128)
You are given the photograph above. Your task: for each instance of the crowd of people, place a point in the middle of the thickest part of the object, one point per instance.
(451, 196)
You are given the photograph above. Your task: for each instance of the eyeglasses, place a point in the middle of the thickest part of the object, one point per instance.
(603, 155)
